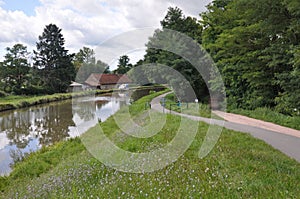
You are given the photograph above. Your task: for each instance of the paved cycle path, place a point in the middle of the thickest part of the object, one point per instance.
(282, 138)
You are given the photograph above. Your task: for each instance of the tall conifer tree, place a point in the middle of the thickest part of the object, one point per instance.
(53, 61)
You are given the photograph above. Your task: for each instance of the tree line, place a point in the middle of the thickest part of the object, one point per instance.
(254, 44)
(50, 68)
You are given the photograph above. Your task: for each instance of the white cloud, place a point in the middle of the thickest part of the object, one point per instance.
(191, 7)
(3, 141)
(11, 28)
(87, 22)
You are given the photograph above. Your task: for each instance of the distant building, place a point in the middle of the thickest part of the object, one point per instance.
(107, 81)
(74, 87)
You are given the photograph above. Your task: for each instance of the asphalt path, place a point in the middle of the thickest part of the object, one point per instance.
(284, 141)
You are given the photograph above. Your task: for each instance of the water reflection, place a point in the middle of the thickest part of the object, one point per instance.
(26, 130)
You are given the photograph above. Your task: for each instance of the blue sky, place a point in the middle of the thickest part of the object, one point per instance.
(27, 6)
(83, 22)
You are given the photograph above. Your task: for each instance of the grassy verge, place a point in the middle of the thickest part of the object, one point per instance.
(41, 162)
(15, 102)
(268, 115)
(196, 109)
(239, 166)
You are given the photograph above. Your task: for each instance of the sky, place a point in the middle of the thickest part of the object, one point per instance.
(83, 22)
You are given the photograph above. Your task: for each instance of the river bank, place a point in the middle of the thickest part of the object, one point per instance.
(239, 166)
(16, 102)
(55, 118)
(11, 103)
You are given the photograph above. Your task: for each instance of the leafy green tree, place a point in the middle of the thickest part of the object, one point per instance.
(14, 69)
(123, 66)
(175, 20)
(56, 70)
(2, 93)
(249, 42)
(87, 69)
(86, 64)
(84, 56)
(288, 100)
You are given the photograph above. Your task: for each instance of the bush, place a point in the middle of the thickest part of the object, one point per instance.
(3, 94)
(34, 90)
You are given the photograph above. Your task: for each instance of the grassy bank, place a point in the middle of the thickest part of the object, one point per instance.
(269, 115)
(197, 109)
(15, 102)
(239, 166)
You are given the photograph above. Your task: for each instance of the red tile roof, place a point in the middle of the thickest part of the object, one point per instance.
(105, 79)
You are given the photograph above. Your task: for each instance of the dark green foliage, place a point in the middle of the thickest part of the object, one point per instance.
(86, 70)
(14, 69)
(288, 100)
(123, 66)
(175, 20)
(52, 61)
(86, 64)
(85, 55)
(254, 44)
(2, 94)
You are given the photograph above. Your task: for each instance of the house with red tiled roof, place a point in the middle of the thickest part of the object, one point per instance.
(107, 81)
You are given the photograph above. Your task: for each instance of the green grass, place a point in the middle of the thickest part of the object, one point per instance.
(196, 109)
(15, 102)
(10, 98)
(239, 166)
(269, 115)
(42, 161)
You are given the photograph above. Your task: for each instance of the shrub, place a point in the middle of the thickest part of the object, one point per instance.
(3, 94)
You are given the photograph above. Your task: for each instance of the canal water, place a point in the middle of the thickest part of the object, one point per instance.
(26, 130)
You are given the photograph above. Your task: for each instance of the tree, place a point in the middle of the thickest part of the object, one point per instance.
(249, 41)
(123, 66)
(288, 101)
(14, 69)
(86, 64)
(175, 20)
(56, 70)
(84, 56)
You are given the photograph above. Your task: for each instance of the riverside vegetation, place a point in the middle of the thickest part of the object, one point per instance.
(265, 113)
(191, 108)
(17, 101)
(269, 115)
(238, 166)
(254, 44)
